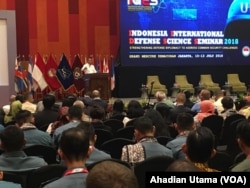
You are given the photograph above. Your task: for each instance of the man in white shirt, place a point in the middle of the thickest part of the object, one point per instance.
(88, 67)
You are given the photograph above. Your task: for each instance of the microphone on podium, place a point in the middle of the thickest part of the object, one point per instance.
(152, 82)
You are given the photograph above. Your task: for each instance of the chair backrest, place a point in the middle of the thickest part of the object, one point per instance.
(163, 140)
(222, 161)
(158, 163)
(102, 136)
(238, 158)
(45, 174)
(114, 146)
(215, 124)
(15, 178)
(114, 124)
(49, 154)
(181, 80)
(226, 127)
(126, 132)
(130, 123)
(206, 79)
(233, 79)
(126, 164)
(153, 78)
(118, 117)
(232, 145)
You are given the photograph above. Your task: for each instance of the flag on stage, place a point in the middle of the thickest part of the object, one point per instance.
(64, 73)
(50, 74)
(112, 74)
(39, 71)
(77, 73)
(97, 64)
(29, 76)
(105, 67)
(20, 83)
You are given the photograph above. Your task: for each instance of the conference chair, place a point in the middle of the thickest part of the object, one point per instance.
(163, 140)
(14, 178)
(114, 124)
(207, 82)
(154, 82)
(215, 124)
(226, 131)
(114, 146)
(49, 154)
(237, 85)
(158, 163)
(183, 84)
(222, 161)
(102, 136)
(19, 177)
(45, 174)
(126, 132)
(124, 163)
(232, 145)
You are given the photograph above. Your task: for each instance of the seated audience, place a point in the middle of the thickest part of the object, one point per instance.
(184, 124)
(32, 135)
(13, 157)
(228, 107)
(219, 94)
(161, 97)
(96, 100)
(203, 95)
(28, 103)
(200, 147)
(188, 103)
(165, 113)
(15, 107)
(161, 128)
(206, 109)
(245, 108)
(146, 146)
(117, 111)
(62, 117)
(6, 108)
(73, 150)
(85, 117)
(97, 114)
(134, 110)
(179, 107)
(243, 139)
(47, 115)
(95, 154)
(86, 99)
(113, 175)
(75, 117)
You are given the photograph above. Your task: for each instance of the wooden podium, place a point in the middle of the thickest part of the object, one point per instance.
(99, 81)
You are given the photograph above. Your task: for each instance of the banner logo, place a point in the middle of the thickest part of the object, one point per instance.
(141, 5)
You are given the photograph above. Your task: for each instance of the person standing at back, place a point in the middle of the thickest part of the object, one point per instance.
(73, 150)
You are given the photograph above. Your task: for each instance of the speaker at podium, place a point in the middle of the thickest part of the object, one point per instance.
(99, 81)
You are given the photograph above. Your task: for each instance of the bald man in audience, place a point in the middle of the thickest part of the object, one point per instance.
(81, 104)
(204, 95)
